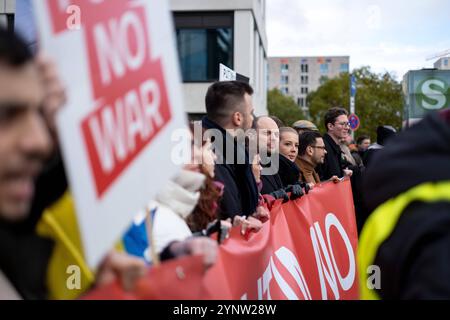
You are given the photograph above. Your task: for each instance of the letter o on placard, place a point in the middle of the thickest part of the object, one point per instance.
(131, 22)
(347, 281)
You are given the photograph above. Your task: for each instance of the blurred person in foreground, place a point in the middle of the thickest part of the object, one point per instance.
(25, 144)
(39, 237)
(30, 95)
(407, 189)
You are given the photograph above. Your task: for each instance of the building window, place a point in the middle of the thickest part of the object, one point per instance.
(204, 41)
(284, 67)
(304, 79)
(301, 102)
(344, 68)
(304, 68)
(284, 90)
(284, 80)
(324, 68)
(304, 90)
(446, 62)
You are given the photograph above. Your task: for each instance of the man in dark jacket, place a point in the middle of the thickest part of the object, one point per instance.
(337, 125)
(268, 141)
(268, 147)
(230, 110)
(408, 233)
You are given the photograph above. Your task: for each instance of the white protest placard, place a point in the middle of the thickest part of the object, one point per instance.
(119, 63)
(226, 74)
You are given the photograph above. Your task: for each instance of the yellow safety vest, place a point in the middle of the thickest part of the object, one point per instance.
(382, 222)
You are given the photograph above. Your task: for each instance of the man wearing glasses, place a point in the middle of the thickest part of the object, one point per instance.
(311, 153)
(337, 125)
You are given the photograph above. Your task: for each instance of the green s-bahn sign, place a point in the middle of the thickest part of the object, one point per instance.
(425, 91)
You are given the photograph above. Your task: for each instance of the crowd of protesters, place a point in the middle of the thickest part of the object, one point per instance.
(231, 176)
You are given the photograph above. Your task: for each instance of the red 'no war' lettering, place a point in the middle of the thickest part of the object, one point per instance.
(119, 131)
(132, 103)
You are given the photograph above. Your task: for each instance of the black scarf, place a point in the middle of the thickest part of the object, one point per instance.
(289, 172)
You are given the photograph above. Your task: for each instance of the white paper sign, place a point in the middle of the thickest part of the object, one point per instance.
(226, 74)
(119, 63)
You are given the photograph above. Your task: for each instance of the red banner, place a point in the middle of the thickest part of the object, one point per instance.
(307, 250)
(177, 279)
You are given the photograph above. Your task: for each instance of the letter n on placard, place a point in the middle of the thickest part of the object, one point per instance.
(327, 266)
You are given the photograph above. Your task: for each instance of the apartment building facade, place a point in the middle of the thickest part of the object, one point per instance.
(298, 76)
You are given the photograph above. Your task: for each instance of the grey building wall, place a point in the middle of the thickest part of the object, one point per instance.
(250, 48)
(443, 63)
(7, 8)
(298, 76)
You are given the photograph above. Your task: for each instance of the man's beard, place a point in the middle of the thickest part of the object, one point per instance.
(316, 162)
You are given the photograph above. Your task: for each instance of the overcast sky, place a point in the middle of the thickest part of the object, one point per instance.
(387, 35)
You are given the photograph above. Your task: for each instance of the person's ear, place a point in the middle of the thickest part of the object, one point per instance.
(329, 126)
(310, 151)
(237, 119)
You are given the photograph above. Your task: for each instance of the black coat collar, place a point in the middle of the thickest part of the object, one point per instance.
(241, 173)
(289, 171)
(328, 139)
